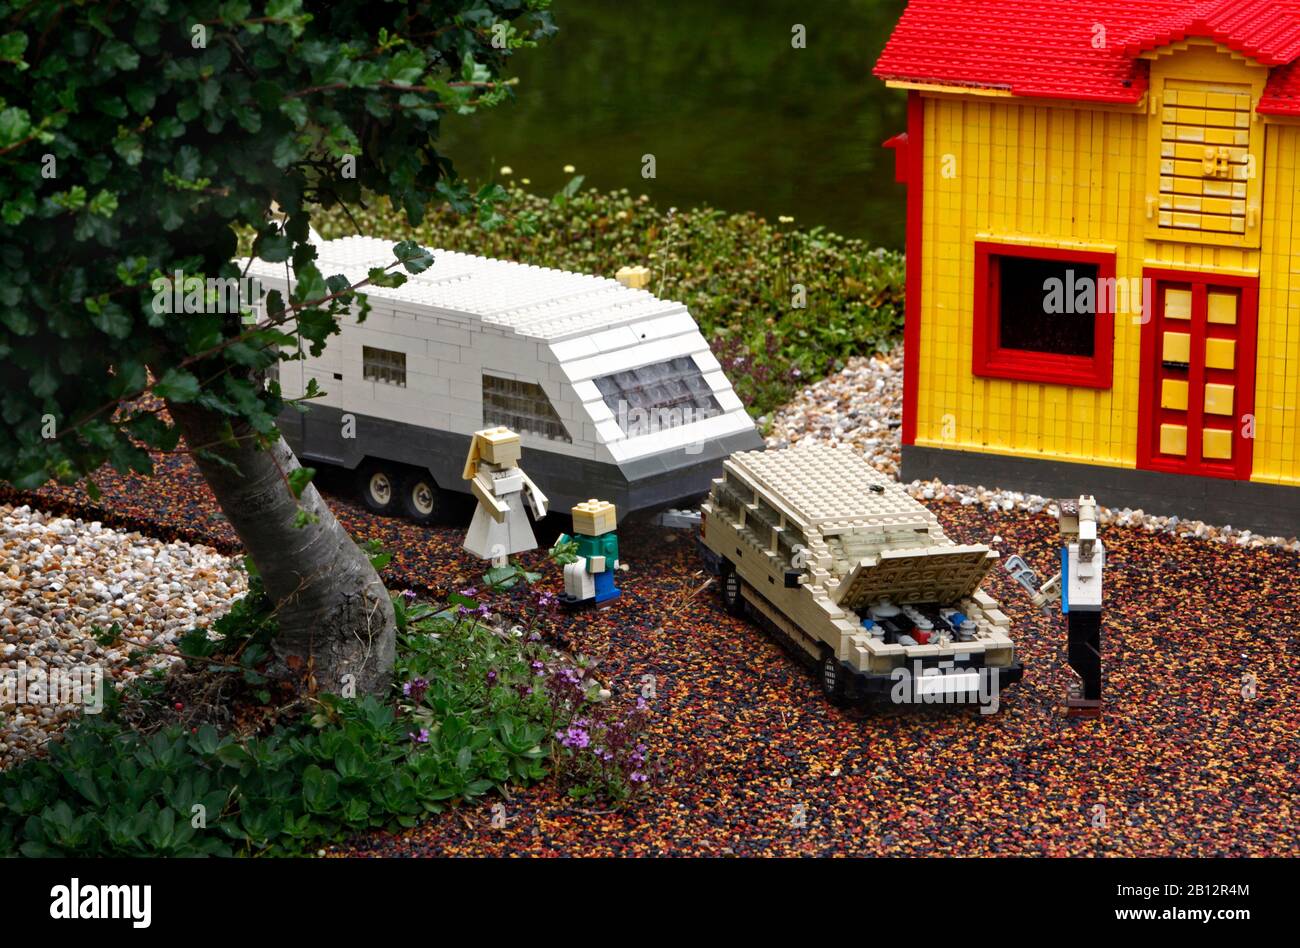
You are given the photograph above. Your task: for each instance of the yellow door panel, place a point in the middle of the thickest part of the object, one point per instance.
(1219, 353)
(1216, 444)
(1218, 399)
(1173, 439)
(1173, 394)
(1178, 304)
(1222, 309)
(1177, 347)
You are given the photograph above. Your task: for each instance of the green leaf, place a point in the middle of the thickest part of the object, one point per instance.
(413, 257)
(295, 110)
(188, 163)
(381, 276)
(119, 55)
(177, 385)
(109, 317)
(12, 47)
(299, 478)
(274, 247)
(44, 380)
(15, 123)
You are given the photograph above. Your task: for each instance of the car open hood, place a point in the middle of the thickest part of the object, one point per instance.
(943, 574)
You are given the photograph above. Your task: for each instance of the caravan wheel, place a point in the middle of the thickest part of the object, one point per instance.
(378, 488)
(420, 497)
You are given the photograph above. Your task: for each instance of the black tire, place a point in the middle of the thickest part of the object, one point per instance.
(378, 486)
(833, 679)
(730, 584)
(420, 497)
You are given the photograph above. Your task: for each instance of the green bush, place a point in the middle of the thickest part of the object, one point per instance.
(736, 272)
(478, 708)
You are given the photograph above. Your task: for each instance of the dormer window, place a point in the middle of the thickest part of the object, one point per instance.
(1206, 165)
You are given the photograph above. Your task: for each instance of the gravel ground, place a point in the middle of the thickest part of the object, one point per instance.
(1183, 762)
(1195, 755)
(61, 580)
(863, 406)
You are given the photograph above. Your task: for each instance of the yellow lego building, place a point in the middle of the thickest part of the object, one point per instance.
(1103, 250)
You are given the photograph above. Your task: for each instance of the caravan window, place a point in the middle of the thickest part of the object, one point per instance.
(658, 396)
(383, 365)
(522, 407)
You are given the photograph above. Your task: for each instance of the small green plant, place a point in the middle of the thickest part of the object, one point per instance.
(508, 576)
(564, 552)
(478, 706)
(501, 691)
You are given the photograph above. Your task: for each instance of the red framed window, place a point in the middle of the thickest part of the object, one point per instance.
(1043, 314)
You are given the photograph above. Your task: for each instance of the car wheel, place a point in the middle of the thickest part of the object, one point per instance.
(420, 497)
(833, 679)
(378, 488)
(732, 598)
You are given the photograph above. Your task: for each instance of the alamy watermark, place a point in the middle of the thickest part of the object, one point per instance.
(946, 683)
(638, 421)
(1082, 295)
(80, 686)
(181, 294)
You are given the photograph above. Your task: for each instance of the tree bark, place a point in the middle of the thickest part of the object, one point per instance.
(334, 612)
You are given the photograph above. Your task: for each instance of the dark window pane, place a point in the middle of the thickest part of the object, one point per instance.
(1047, 305)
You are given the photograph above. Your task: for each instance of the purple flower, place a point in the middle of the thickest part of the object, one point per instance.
(422, 737)
(492, 676)
(415, 689)
(469, 592)
(483, 611)
(537, 667)
(637, 777)
(408, 595)
(574, 736)
(641, 703)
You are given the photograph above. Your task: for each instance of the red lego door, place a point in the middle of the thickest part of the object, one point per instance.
(1197, 391)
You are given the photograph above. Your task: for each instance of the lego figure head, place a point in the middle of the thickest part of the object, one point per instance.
(593, 517)
(498, 446)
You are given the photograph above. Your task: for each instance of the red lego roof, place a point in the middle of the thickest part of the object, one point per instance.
(1045, 47)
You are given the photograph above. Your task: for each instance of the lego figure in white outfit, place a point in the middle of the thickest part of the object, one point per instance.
(500, 526)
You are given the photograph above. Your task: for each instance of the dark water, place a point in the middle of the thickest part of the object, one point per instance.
(734, 116)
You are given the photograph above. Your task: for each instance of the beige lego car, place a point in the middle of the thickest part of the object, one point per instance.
(857, 577)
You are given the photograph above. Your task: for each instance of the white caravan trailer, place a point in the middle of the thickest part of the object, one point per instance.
(613, 391)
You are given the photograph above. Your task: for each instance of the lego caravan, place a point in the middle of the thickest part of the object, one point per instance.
(613, 391)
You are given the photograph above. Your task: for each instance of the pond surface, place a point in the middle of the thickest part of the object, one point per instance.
(734, 116)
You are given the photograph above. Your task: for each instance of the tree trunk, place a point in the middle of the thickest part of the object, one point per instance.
(334, 612)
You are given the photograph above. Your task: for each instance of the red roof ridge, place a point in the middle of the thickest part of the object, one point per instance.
(1085, 50)
(1267, 31)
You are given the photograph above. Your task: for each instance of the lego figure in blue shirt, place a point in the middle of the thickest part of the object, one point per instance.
(590, 577)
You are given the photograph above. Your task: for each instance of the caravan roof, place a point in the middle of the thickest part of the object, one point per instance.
(537, 302)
